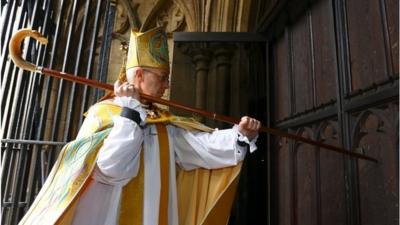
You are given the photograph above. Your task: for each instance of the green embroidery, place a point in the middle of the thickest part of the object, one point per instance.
(158, 47)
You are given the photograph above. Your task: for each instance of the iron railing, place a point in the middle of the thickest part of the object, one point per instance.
(36, 108)
(26, 164)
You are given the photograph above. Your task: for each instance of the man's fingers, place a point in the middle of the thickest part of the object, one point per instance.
(258, 125)
(117, 84)
(250, 123)
(124, 89)
(254, 124)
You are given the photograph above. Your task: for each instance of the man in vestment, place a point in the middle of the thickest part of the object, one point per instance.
(134, 163)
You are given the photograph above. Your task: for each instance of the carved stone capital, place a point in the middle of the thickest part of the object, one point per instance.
(200, 54)
(202, 59)
(223, 53)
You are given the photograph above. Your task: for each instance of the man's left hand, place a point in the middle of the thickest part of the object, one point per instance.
(249, 127)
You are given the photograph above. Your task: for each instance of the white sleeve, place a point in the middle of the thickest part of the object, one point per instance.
(208, 150)
(119, 157)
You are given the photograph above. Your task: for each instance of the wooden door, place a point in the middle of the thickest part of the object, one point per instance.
(334, 69)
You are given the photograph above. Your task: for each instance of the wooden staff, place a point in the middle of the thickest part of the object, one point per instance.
(15, 53)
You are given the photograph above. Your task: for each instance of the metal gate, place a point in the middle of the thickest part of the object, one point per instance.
(35, 108)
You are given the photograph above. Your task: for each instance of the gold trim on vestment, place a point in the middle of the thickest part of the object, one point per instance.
(131, 205)
(164, 173)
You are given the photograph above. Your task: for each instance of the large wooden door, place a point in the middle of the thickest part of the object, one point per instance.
(334, 69)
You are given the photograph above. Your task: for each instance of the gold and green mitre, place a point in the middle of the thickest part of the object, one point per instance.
(148, 49)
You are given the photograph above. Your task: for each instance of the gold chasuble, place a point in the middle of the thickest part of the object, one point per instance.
(204, 196)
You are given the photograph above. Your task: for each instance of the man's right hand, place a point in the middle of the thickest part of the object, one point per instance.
(126, 89)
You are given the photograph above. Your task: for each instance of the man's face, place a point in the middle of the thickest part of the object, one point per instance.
(151, 81)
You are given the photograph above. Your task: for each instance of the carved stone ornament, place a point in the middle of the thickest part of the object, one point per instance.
(122, 19)
(126, 18)
(172, 18)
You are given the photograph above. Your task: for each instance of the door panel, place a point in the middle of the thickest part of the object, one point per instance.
(324, 59)
(301, 61)
(282, 84)
(375, 131)
(366, 43)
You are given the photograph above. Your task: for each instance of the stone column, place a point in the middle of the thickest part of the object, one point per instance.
(223, 54)
(201, 58)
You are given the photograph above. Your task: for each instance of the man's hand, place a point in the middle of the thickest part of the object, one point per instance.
(126, 89)
(249, 127)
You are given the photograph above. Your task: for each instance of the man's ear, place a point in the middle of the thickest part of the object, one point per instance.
(139, 75)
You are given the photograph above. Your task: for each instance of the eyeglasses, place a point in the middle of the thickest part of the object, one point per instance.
(164, 77)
